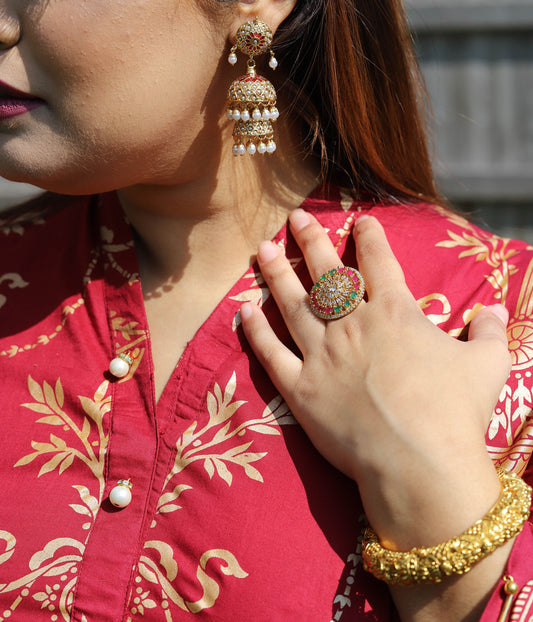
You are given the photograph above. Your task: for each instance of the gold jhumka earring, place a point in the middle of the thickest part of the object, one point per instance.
(252, 98)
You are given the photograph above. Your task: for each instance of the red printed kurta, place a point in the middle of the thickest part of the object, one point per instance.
(234, 516)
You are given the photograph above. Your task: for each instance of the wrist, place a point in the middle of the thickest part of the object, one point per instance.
(416, 507)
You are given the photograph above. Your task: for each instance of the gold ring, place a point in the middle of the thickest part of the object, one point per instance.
(337, 293)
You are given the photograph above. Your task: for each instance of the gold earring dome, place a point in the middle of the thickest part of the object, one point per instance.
(254, 38)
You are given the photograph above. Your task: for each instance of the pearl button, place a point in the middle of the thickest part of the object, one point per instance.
(120, 366)
(120, 495)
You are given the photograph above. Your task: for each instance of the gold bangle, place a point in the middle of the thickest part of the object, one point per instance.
(457, 556)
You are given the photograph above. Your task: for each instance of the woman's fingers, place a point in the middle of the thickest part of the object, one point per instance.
(279, 362)
(290, 295)
(375, 259)
(319, 253)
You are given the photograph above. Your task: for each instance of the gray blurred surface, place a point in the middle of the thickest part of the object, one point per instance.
(477, 61)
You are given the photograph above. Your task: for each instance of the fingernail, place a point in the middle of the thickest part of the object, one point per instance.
(246, 311)
(299, 219)
(267, 251)
(362, 218)
(500, 312)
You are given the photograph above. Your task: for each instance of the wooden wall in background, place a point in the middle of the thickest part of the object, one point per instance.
(477, 61)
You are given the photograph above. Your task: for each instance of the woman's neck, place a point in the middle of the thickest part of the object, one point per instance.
(194, 240)
(217, 217)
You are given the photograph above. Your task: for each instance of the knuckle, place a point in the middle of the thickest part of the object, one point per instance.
(311, 234)
(276, 268)
(396, 305)
(369, 246)
(295, 308)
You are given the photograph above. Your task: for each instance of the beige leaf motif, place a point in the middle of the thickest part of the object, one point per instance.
(278, 411)
(66, 463)
(35, 390)
(81, 509)
(52, 463)
(50, 396)
(39, 408)
(222, 471)
(263, 429)
(60, 396)
(53, 420)
(253, 473)
(27, 459)
(209, 467)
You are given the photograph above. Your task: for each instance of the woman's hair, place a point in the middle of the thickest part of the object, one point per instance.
(352, 77)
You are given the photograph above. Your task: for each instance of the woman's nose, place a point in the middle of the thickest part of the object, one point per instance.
(9, 27)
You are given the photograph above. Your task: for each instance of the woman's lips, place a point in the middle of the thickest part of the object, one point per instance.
(13, 107)
(14, 102)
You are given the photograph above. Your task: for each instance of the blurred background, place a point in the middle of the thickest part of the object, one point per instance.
(477, 61)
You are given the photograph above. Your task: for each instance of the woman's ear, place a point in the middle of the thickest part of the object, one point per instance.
(272, 12)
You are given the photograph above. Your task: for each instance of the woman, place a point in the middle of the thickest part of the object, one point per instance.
(226, 465)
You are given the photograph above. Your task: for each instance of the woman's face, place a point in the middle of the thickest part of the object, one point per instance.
(129, 91)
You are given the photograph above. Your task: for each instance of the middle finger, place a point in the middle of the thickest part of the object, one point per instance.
(319, 253)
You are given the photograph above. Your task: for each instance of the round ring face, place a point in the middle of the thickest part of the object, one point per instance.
(337, 293)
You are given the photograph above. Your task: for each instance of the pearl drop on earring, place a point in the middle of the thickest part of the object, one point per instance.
(232, 58)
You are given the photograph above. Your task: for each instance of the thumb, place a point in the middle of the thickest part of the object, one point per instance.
(490, 324)
(488, 329)
(488, 336)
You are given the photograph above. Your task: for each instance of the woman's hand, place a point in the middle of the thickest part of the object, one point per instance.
(384, 395)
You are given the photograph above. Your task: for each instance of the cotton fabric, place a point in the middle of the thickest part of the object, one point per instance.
(235, 516)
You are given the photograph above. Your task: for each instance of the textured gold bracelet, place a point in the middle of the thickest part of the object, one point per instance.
(457, 556)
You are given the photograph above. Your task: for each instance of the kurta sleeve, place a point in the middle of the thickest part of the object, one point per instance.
(520, 568)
